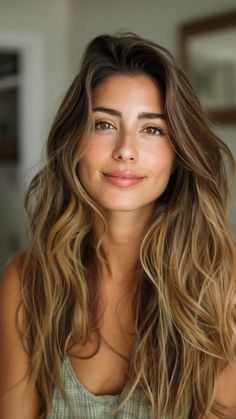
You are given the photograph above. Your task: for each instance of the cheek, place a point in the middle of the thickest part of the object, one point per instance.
(91, 156)
(161, 160)
(95, 155)
(85, 168)
(91, 165)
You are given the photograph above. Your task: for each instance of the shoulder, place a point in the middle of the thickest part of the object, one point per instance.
(10, 278)
(10, 289)
(225, 389)
(10, 286)
(16, 396)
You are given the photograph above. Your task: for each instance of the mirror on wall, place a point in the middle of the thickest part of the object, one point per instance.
(208, 52)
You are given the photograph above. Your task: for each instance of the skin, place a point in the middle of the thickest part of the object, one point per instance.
(128, 141)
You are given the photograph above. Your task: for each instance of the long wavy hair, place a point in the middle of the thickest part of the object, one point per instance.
(186, 255)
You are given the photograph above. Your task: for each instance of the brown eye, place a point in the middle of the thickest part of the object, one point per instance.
(103, 126)
(154, 131)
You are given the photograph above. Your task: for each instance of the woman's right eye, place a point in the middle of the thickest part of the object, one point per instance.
(103, 126)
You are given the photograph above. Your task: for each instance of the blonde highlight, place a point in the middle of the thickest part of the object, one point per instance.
(186, 256)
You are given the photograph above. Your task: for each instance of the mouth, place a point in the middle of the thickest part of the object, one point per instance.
(123, 175)
(123, 178)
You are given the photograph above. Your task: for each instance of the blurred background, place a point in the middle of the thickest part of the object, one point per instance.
(40, 48)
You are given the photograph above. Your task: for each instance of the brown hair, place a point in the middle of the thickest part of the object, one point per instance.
(186, 255)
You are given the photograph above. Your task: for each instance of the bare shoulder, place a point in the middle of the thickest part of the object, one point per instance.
(225, 390)
(10, 288)
(17, 399)
(10, 278)
(10, 296)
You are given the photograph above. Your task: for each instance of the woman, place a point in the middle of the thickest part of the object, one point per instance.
(123, 304)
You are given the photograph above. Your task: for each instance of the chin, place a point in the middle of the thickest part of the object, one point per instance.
(119, 207)
(125, 206)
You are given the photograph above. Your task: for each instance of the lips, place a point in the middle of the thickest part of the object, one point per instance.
(123, 178)
(126, 175)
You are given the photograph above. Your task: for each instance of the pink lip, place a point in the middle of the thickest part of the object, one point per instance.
(124, 179)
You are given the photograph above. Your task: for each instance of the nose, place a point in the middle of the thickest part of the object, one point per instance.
(125, 149)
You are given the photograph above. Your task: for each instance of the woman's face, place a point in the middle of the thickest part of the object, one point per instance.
(129, 158)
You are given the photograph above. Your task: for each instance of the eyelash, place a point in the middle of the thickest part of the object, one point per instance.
(102, 123)
(108, 124)
(157, 130)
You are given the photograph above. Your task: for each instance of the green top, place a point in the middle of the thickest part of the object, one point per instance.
(88, 406)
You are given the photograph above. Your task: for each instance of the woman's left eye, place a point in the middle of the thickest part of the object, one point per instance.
(153, 131)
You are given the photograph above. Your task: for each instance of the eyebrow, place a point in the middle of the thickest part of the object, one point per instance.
(141, 115)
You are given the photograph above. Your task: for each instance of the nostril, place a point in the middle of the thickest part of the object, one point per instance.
(124, 155)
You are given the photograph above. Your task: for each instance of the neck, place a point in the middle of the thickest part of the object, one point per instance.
(121, 244)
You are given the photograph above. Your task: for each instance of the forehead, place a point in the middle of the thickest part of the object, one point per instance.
(136, 89)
